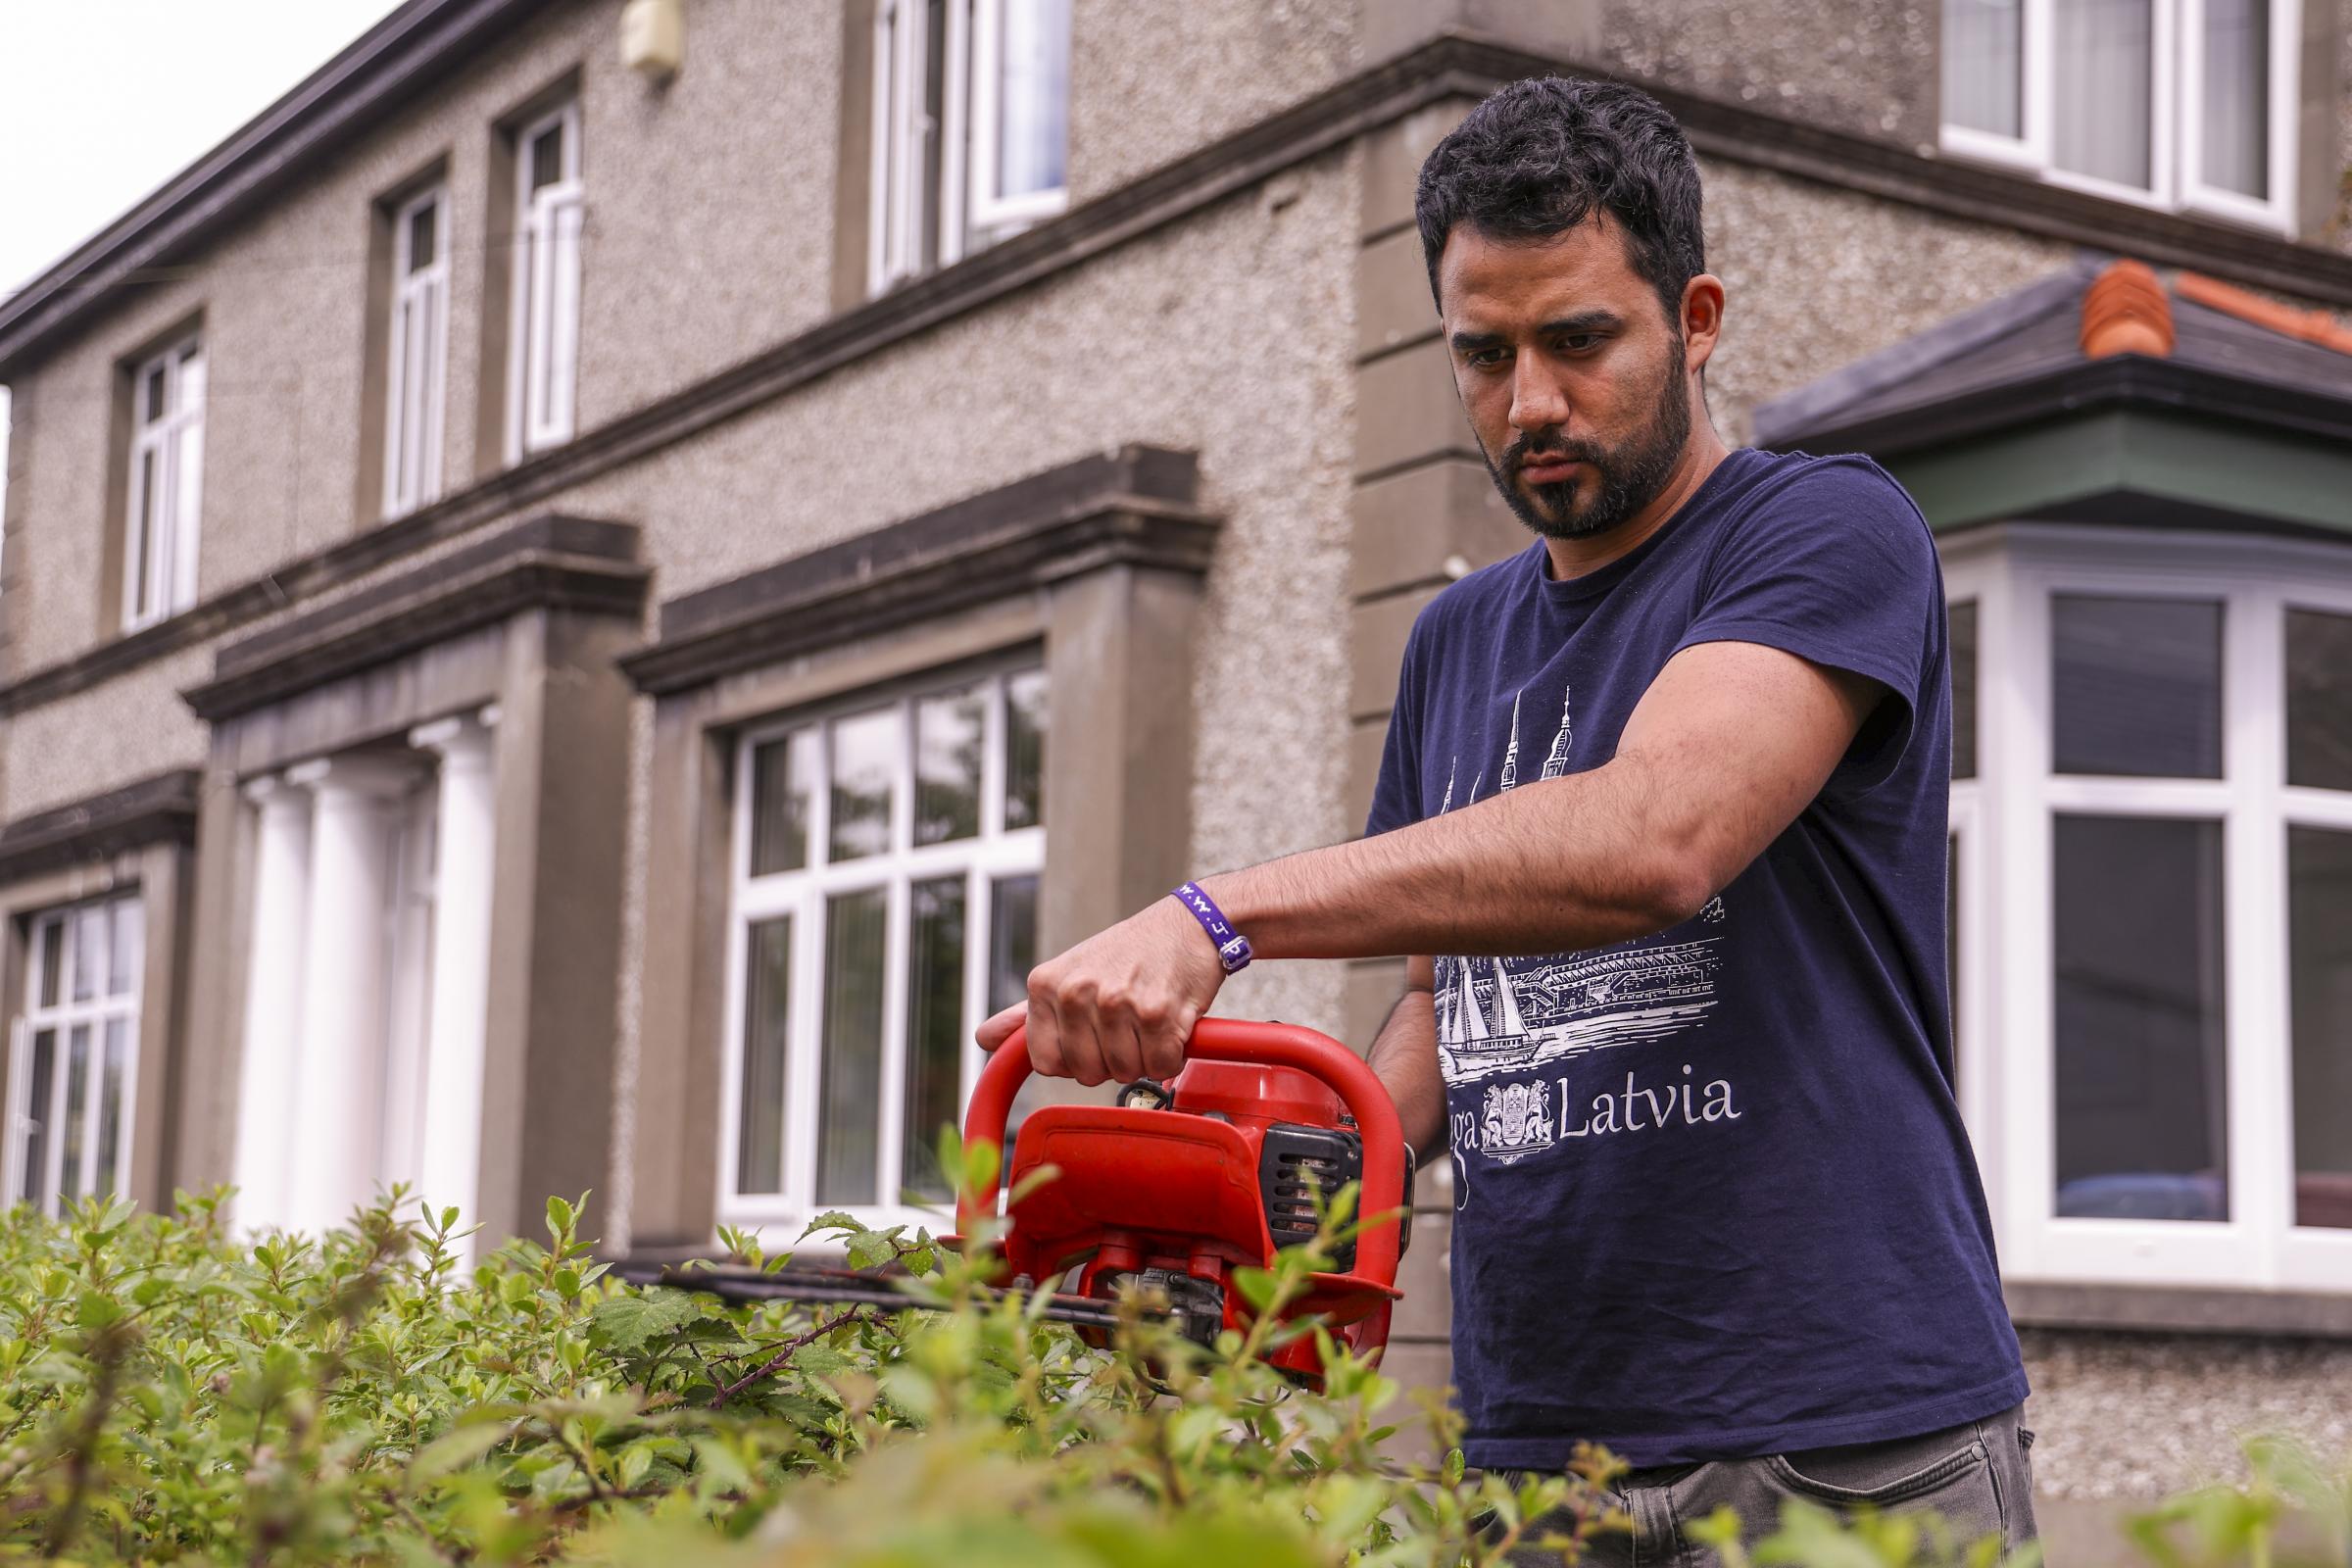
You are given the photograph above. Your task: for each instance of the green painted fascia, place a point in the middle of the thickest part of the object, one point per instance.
(2266, 477)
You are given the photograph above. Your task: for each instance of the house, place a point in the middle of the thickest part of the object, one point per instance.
(571, 617)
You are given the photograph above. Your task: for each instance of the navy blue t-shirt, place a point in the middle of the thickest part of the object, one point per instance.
(1712, 1193)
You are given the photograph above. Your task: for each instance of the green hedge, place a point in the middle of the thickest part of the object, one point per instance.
(169, 1394)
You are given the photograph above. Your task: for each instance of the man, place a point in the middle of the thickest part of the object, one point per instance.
(1667, 793)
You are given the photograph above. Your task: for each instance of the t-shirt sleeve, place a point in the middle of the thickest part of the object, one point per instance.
(1396, 792)
(1836, 568)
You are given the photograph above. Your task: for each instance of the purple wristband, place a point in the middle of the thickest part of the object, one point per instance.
(1233, 948)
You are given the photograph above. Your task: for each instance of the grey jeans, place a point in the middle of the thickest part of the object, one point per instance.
(1978, 1475)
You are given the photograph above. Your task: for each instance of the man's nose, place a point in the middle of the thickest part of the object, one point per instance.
(1537, 401)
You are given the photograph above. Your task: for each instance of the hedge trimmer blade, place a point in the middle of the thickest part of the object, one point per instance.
(848, 1288)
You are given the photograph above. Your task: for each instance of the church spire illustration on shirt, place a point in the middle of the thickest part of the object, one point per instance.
(1557, 762)
(1510, 753)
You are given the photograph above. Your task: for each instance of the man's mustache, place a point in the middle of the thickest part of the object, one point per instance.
(1547, 448)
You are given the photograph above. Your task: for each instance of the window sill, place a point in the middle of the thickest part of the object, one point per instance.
(2179, 1310)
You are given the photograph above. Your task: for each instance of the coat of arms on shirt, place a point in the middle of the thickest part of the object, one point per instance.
(1517, 1121)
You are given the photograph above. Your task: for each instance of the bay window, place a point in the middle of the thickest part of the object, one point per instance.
(2153, 854)
(69, 1095)
(970, 128)
(2172, 103)
(887, 858)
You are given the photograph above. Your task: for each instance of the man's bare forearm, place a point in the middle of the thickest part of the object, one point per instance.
(1404, 1057)
(1557, 865)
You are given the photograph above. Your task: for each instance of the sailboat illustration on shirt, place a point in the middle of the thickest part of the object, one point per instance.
(1484, 1040)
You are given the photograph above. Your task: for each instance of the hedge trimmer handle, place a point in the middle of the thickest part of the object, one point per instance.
(1235, 1039)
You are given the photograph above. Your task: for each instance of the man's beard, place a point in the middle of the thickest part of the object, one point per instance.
(1623, 479)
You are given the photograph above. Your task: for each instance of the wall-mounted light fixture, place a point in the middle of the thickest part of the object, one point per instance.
(653, 37)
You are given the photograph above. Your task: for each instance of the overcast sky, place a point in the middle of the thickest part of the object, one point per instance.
(101, 101)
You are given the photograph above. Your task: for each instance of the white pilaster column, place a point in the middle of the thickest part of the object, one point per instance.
(450, 1165)
(339, 1129)
(269, 1070)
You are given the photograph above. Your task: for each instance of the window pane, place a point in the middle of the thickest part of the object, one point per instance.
(934, 1031)
(950, 733)
(850, 1096)
(2141, 1105)
(2319, 872)
(142, 551)
(1025, 750)
(2319, 700)
(2136, 686)
(1963, 644)
(88, 949)
(53, 959)
(1983, 64)
(77, 1095)
(421, 236)
(192, 381)
(783, 779)
(126, 948)
(1011, 940)
(547, 156)
(766, 1046)
(865, 754)
(1033, 128)
(155, 394)
(2102, 66)
(2236, 153)
(33, 1184)
(110, 1101)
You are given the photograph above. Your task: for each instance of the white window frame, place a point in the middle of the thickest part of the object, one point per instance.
(163, 559)
(544, 316)
(802, 895)
(417, 341)
(63, 1017)
(2006, 986)
(2176, 108)
(970, 214)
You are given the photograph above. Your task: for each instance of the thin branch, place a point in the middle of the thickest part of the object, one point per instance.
(775, 1363)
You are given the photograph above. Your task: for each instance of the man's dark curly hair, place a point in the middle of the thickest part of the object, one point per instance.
(1540, 157)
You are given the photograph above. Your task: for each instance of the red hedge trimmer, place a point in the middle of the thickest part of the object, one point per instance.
(1170, 1192)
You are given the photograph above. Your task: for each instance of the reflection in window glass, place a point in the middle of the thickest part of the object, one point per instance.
(767, 1041)
(2236, 119)
(2141, 1067)
(850, 1089)
(112, 1089)
(53, 960)
(1012, 939)
(1025, 750)
(2136, 686)
(2102, 62)
(783, 778)
(866, 755)
(126, 947)
(949, 734)
(77, 1095)
(934, 1030)
(89, 950)
(1032, 131)
(2319, 870)
(2319, 700)
(1963, 644)
(34, 1179)
(1983, 64)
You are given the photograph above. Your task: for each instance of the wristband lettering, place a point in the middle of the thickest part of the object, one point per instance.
(1233, 948)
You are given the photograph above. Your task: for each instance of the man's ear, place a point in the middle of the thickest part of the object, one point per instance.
(1701, 318)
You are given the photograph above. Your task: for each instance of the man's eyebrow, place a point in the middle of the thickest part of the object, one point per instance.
(1597, 319)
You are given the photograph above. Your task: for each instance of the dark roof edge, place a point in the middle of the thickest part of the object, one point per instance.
(335, 103)
(2126, 380)
(160, 807)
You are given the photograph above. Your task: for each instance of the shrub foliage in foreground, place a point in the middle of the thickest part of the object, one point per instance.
(169, 1394)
